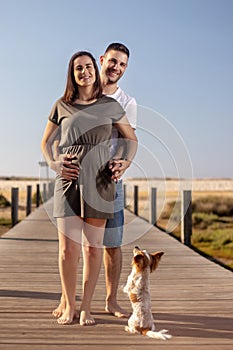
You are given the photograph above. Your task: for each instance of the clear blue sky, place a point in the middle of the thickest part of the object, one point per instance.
(180, 72)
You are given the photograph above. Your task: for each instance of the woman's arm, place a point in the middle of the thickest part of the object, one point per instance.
(64, 167)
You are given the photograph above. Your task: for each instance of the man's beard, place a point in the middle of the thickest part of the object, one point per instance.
(112, 80)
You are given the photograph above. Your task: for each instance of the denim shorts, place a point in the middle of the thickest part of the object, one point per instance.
(114, 227)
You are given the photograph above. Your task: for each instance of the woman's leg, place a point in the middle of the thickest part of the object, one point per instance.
(92, 259)
(70, 233)
(61, 307)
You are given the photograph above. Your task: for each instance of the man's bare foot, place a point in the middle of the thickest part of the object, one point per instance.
(86, 319)
(116, 310)
(67, 317)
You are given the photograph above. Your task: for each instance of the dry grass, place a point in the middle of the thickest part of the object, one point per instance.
(212, 219)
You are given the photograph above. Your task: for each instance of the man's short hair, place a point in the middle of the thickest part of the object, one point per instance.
(118, 47)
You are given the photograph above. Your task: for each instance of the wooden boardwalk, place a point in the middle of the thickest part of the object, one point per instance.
(191, 296)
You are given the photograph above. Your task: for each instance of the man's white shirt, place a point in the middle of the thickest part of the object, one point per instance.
(129, 105)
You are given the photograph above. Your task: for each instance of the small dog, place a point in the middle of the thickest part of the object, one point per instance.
(137, 287)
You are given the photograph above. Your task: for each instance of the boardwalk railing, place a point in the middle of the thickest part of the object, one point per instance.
(46, 194)
(186, 210)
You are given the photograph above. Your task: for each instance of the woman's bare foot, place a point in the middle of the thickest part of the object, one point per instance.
(116, 310)
(86, 319)
(61, 308)
(67, 317)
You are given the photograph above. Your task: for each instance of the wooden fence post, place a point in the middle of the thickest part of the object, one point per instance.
(186, 221)
(44, 192)
(153, 206)
(136, 200)
(51, 189)
(14, 205)
(37, 195)
(29, 200)
(124, 193)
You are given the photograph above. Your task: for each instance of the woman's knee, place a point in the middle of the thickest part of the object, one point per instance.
(91, 251)
(69, 251)
(94, 233)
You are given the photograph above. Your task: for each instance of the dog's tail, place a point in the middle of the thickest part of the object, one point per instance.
(163, 334)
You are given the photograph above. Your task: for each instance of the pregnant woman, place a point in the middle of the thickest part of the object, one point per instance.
(82, 120)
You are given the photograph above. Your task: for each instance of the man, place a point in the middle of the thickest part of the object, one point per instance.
(113, 65)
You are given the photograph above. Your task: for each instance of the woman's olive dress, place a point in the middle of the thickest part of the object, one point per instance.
(85, 132)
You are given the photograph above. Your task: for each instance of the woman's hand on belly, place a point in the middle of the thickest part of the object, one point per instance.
(65, 168)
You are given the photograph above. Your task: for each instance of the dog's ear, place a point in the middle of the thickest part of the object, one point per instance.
(155, 258)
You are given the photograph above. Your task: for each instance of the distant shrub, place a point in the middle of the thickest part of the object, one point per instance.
(227, 241)
(200, 238)
(4, 202)
(221, 206)
(219, 239)
(203, 220)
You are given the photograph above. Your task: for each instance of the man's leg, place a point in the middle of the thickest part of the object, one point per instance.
(112, 273)
(113, 262)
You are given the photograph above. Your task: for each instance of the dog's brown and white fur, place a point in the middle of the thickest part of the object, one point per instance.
(138, 289)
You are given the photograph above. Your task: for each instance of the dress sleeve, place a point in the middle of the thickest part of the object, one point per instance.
(117, 112)
(54, 114)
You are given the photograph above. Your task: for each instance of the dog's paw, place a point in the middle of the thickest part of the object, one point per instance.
(127, 329)
(163, 334)
(131, 330)
(123, 288)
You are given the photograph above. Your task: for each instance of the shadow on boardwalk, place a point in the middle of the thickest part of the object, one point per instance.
(191, 296)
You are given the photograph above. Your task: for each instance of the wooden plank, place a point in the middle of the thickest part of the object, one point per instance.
(191, 296)
(162, 346)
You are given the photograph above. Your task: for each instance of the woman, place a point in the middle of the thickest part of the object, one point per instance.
(84, 187)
